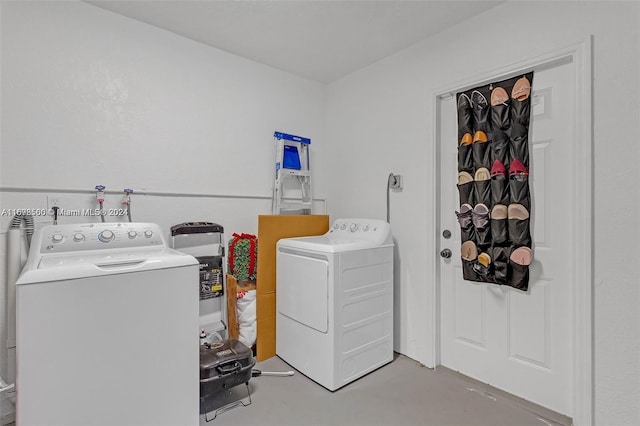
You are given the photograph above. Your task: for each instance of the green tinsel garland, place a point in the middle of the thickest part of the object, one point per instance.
(241, 260)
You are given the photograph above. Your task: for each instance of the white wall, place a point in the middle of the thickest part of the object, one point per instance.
(380, 119)
(90, 97)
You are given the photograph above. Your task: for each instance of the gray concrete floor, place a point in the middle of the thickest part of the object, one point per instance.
(400, 393)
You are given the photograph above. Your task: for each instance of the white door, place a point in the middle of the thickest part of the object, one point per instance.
(520, 342)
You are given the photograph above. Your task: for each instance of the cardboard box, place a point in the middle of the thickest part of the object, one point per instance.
(272, 228)
(266, 326)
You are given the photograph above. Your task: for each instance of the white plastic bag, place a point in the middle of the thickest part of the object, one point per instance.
(246, 310)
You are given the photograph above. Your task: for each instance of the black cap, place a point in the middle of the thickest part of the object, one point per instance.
(196, 228)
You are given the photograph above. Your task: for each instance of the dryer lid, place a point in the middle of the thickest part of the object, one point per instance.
(325, 244)
(345, 235)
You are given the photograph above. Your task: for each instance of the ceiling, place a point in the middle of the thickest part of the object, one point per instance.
(322, 40)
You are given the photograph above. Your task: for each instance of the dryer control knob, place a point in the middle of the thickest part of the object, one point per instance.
(353, 227)
(106, 236)
(344, 226)
(78, 237)
(336, 226)
(148, 233)
(132, 234)
(57, 238)
(365, 228)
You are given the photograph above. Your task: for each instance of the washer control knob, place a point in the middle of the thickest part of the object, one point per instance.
(365, 228)
(148, 233)
(57, 238)
(353, 227)
(132, 234)
(78, 237)
(336, 226)
(106, 236)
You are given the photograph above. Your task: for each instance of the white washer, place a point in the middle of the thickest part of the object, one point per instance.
(335, 301)
(107, 321)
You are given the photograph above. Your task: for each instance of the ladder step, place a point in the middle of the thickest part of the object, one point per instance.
(285, 205)
(292, 172)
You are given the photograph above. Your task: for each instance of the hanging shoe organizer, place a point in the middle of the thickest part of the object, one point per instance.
(493, 182)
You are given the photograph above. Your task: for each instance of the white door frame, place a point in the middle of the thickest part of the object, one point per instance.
(580, 55)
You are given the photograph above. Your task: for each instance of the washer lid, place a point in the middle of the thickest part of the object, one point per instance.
(68, 266)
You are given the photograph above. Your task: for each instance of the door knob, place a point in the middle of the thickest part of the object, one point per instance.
(446, 253)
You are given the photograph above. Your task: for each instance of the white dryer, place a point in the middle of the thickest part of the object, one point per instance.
(107, 328)
(334, 301)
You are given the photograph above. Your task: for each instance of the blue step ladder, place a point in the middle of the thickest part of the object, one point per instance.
(292, 187)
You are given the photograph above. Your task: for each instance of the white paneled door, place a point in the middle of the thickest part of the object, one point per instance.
(520, 342)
